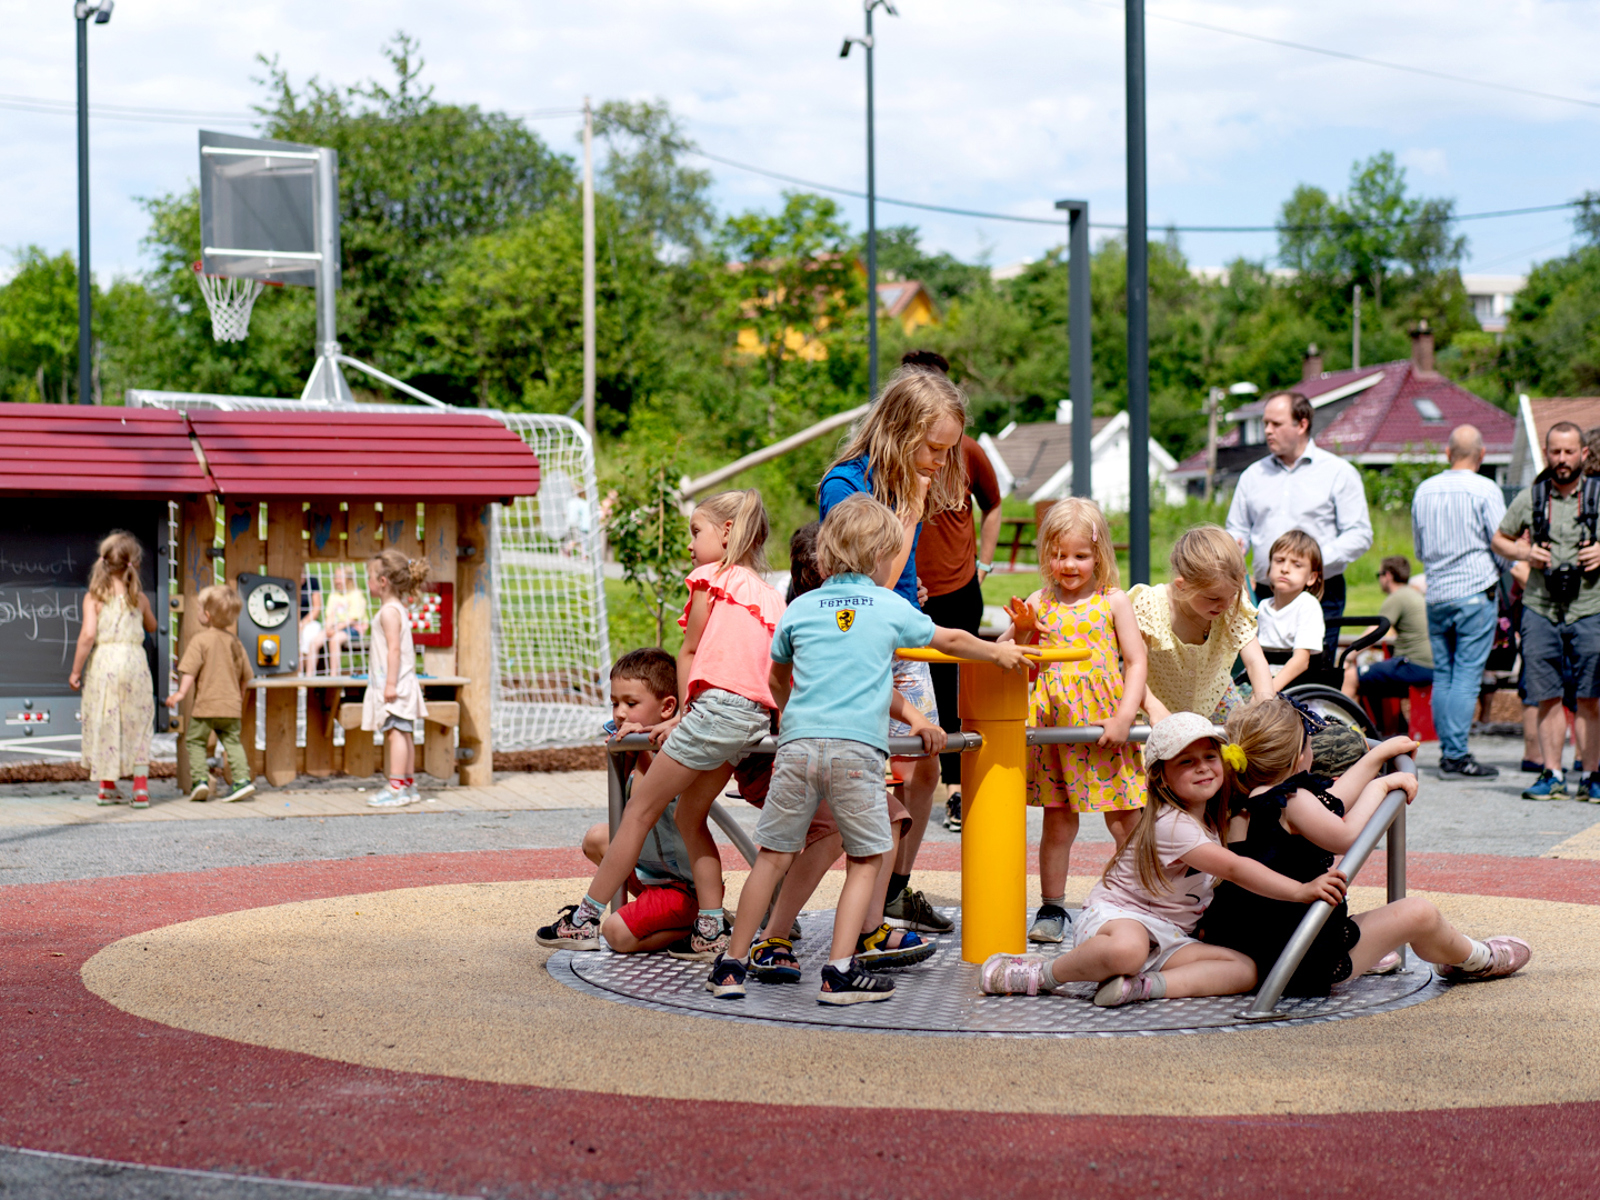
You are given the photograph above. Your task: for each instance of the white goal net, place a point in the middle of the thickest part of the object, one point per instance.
(552, 655)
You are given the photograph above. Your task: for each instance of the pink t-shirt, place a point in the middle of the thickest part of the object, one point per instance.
(735, 648)
(1177, 833)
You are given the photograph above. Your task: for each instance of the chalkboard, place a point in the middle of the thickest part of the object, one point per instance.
(46, 553)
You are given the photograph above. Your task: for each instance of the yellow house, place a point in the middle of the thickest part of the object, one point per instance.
(906, 301)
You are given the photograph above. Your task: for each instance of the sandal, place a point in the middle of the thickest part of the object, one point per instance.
(772, 960)
(141, 793)
(108, 794)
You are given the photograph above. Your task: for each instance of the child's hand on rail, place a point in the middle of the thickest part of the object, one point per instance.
(1011, 657)
(1116, 730)
(933, 737)
(1397, 745)
(1401, 781)
(660, 733)
(1329, 888)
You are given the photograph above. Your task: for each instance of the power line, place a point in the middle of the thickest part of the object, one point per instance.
(1361, 58)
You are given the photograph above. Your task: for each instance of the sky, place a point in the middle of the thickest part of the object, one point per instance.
(1002, 106)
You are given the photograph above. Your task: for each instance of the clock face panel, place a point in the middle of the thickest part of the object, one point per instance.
(268, 605)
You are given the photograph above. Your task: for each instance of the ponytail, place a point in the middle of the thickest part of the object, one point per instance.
(747, 538)
(406, 576)
(120, 558)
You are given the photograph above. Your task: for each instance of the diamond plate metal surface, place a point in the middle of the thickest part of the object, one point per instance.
(940, 998)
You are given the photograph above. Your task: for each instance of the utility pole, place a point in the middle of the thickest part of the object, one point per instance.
(588, 268)
(101, 13)
(1213, 401)
(1355, 332)
(1138, 307)
(872, 198)
(1080, 368)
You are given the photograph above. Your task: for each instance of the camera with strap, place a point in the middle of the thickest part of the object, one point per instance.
(1562, 581)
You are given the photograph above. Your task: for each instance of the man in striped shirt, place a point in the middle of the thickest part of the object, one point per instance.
(1454, 516)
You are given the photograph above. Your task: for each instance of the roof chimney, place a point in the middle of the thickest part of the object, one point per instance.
(1311, 365)
(1422, 349)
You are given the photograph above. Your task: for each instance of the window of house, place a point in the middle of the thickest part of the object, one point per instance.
(1427, 409)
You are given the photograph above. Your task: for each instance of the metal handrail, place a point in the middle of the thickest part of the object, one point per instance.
(1391, 819)
(1078, 735)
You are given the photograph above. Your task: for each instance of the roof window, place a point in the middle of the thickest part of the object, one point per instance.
(1427, 409)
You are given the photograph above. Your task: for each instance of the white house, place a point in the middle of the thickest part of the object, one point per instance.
(1036, 461)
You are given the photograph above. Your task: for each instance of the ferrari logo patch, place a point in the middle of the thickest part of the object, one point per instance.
(846, 618)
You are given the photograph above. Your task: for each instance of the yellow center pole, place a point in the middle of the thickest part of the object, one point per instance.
(994, 788)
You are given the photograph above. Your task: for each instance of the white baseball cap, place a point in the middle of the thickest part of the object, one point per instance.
(1170, 736)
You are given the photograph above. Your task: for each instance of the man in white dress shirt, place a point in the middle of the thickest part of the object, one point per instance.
(1300, 486)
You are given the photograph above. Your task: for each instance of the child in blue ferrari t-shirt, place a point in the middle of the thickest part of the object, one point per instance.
(832, 660)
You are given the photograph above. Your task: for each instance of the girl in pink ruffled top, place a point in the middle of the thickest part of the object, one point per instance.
(725, 704)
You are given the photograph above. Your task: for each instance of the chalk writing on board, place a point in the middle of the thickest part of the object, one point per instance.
(63, 566)
(43, 616)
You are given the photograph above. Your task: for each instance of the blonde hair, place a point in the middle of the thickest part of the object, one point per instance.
(1083, 518)
(1142, 845)
(856, 535)
(405, 575)
(222, 604)
(747, 539)
(120, 558)
(1272, 737)
(1298, 541)
(913, 401)
(1206, 555)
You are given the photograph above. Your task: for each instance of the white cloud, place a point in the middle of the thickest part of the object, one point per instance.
(1004, 106)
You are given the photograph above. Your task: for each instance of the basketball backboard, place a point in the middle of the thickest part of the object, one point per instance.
(262, 209)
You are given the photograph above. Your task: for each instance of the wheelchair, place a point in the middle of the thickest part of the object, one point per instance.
(1319, 687)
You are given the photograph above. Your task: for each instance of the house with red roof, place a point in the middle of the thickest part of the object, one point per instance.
(1534, 419)
(1374, 416)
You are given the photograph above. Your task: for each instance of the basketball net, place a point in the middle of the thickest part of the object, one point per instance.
(229, 301)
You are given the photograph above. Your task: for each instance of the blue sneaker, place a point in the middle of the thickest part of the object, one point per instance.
(1590, 790)
(1549, 786)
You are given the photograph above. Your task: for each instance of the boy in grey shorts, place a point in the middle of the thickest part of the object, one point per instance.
(832, 663)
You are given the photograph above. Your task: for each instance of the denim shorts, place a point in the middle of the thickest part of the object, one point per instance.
(914, 681)
(1560, 659)
(719, 728)
(848, 775)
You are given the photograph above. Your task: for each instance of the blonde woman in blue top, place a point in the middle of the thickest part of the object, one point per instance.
(901, 454)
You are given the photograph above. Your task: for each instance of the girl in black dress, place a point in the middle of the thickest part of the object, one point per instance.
(1296, 823)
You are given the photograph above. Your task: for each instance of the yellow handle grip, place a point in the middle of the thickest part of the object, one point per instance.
(1042, 654)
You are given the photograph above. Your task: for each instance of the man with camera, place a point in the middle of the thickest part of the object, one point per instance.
(1561, 606)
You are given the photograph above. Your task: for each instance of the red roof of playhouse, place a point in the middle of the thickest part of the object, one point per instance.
(1403, 413)
(364, 456)
(349, 455)
(54, 448)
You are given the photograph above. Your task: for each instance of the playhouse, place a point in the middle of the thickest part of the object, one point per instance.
(257, 499)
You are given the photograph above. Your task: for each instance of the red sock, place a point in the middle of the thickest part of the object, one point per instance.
(141, 783)
(109, 785)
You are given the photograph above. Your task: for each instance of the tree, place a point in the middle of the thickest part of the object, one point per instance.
(39, 328)
(644, 174)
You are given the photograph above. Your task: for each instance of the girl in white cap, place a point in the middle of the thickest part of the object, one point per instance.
(1134, 935)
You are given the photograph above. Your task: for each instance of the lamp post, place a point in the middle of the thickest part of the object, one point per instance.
(1138, 308)
(1081, 374)
(101, 13)
(872, 198)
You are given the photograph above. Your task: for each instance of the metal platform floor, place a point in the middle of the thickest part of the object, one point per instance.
(940, 997)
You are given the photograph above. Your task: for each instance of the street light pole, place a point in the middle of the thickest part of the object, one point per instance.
(81, 13)
(1138, 308)
(1080, 367)
(872, 198)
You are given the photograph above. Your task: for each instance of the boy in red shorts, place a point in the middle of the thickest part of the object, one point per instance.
(662, 906)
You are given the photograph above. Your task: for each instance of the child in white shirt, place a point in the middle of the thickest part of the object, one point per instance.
(1291, 619)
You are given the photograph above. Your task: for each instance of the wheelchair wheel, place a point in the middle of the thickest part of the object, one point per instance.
(1333, 704)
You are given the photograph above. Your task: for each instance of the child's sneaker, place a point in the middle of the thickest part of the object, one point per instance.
(702, 948)
(727, 979)
(201, 792)
(1549, 786)
(772, 960)
(911, 910)
(1015, 975)
(391, 797)
(952, 812)
(1129, 989)
(1590, 790)
(1507, 955)
(855, 986)
(566, 934)
(1050, 924)
(874, 953)
(240, 791)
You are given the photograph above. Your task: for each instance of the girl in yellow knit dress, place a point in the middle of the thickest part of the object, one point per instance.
(1080, 604)
(119, 703)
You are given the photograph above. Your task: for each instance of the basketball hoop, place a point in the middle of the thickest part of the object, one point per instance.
(229, 301)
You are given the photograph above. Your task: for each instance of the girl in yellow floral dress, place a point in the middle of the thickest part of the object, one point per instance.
(119, 703)
(1080, 605)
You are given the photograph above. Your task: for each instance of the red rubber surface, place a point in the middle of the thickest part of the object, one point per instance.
(80, 1076)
